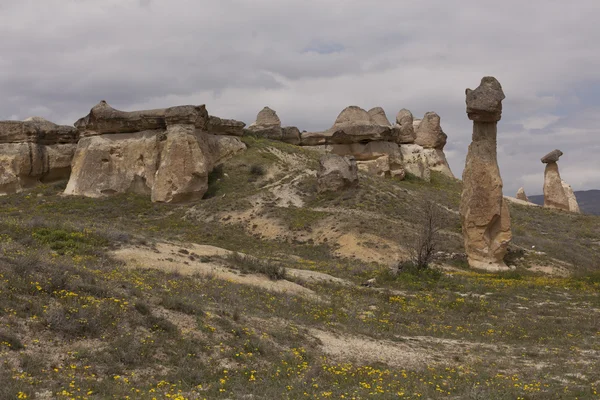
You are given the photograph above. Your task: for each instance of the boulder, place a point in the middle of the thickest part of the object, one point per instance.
(484, 104)
(378, 116)
(521, 194)
(291, 135)
(268, 125)
(552, 157)
(484, 212)
(267, 117)
(336, 173)
(169, 164)
(573, 205)
(554, 192)
(34, 151)
(405, 127)
(429, 132)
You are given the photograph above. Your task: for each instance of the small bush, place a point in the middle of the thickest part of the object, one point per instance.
(257, 170)
(181, 304)
(410, 268)
(142, 308)
(11, 341)
(160, 324)
(248, 264)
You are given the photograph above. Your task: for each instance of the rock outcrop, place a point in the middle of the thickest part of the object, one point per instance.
(353, 125)
(378, 116)
(336, 173)
(557, 193)
(573, 205)
(268, 125)
(429, 134)
(521, 195)
(166, 153)
(404, 126)
(484, 212)
(34, 151)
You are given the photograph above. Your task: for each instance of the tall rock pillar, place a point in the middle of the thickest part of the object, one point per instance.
(484, 212)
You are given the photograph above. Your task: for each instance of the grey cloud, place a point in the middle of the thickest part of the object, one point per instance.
(309, 59)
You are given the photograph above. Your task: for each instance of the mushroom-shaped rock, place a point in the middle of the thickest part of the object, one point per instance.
(484, 212)
(521, 194)
(484, 104)
(552, 157)
(336, 173)
(404, 126)
(378, 116)
(429, 133)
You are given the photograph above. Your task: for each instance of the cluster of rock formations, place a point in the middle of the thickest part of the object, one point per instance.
(557, 193)
(168, 153)
(32, 151)
(484, 211)
(380, 148)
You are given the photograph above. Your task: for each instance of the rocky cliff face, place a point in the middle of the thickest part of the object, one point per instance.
(166, 153)
(34, 151)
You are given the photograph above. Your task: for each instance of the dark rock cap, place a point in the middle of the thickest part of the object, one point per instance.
(484, 104)
(552, 157)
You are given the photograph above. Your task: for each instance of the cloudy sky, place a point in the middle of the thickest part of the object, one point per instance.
(308, 59)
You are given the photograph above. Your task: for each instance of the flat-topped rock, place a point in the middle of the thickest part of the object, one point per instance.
(36, 130)
(222, 126)
(552, 157)
(34, 151)
(484, 104)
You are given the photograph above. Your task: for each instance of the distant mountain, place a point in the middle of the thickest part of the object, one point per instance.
(589, 201)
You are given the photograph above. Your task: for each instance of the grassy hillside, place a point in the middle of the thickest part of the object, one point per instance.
(109, 298)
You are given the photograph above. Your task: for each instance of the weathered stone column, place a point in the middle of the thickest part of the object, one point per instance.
(483, 210)
(554, 192)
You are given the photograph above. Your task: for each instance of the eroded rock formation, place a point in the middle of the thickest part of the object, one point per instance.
(483, 210)
(166, 153)
(557, 193)
(34, 151)
(268, 125)
(521, 194)
(356, 132)
(336, 173)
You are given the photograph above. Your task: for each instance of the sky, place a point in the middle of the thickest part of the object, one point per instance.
(309, 59)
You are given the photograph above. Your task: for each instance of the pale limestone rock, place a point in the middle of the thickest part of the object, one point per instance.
(573, 205)
(415, 162)
(484, 212)
(429, 132)
(521, 194)
(182, 174)
(169, 164)
(336, 173)
(554, 192)
(378, 167)
(34, 151)
(378, 116)
(436, 161)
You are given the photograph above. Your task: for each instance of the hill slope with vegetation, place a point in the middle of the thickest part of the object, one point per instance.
(258, 291)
